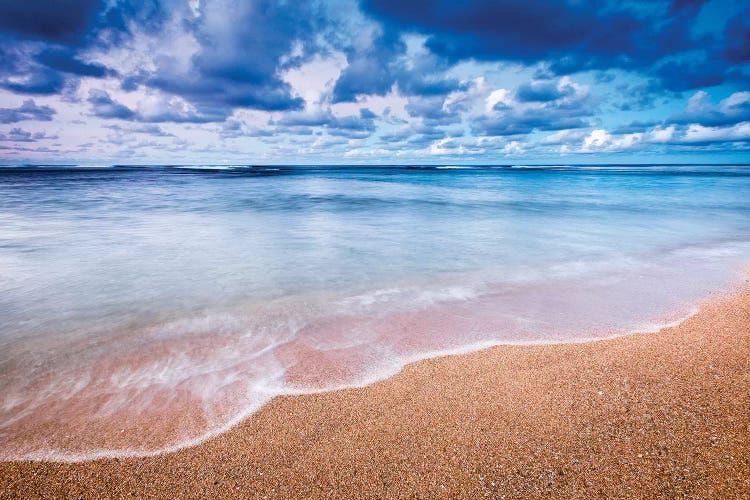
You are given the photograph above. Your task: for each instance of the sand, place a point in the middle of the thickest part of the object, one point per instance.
(655, 415)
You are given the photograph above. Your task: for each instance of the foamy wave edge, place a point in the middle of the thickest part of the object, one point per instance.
(104, 454)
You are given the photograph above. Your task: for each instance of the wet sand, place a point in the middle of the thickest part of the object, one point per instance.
(646, 416)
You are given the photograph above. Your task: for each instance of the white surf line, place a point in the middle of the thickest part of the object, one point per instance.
(68, 457)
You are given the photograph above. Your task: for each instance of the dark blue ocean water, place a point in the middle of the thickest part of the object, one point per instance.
(97, 264)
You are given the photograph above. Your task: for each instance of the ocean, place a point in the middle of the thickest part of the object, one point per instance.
(148, 308)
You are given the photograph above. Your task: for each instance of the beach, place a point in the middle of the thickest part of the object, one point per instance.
(663, 414)
(375, 249)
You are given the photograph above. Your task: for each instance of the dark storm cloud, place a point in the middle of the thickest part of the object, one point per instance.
(65, 61)
(515, 29)
(21, 74)
(571, 36)
(58, 21)
(543, 91)
(691, 74)
(26, 111)
(41, 41)
(74, 23)
(737, 37)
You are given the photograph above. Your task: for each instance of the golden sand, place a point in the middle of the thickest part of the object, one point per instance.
(651, 415)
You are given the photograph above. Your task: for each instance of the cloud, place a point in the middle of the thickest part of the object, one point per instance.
(565, 136)
(384, 60)
(521, 30)
(103, 106)
(368, 70)
(26, 111)
(233, 128)
(152, 109)
(544, 91)
(31, 79)
(468, 146)
(20, 135)
(412, 135)
(61, 21)
(601, 140)
(432, 110)
(310, 76)
(698, 134)
(662, 134)
(160, 108)
(305, 123)
(499, 99)
(639, 95)
(235, 66)
(153, 130)
(485, 29)
(66, 61)
(701, 110)
(737, 36)
(148, 129)
(572, 36)
(538, 105)
(42, 41)
(702, 123)
(692, 73)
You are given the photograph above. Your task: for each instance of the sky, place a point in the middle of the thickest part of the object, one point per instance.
(374, 81)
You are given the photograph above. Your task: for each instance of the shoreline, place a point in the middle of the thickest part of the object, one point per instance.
(654, 326)
(400, 435)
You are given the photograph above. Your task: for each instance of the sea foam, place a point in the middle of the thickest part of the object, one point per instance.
(147, 309)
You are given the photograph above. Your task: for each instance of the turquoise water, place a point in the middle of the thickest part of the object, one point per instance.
(130, 293)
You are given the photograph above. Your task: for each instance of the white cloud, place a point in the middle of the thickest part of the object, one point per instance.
(698, 102)
(502, 96)
(601, 140)
(564, 136)
(514, 147)
(696, 133)
(313, 80)
(661, 134)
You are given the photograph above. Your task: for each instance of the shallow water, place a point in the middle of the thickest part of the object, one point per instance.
(147, 308)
